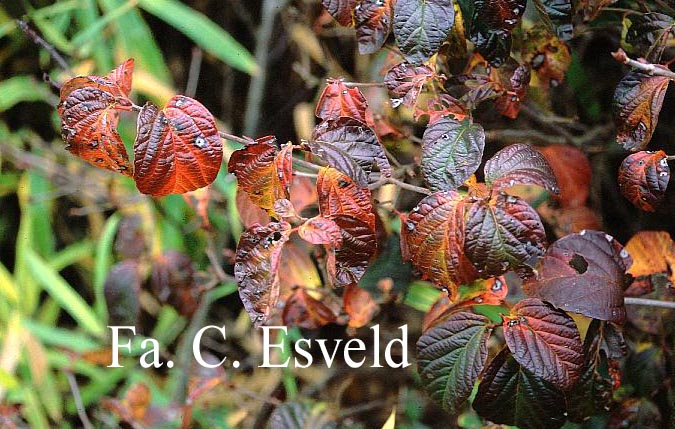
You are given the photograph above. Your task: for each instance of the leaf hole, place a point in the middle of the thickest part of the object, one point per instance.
(579, 263)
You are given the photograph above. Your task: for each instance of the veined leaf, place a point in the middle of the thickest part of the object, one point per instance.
(339, 195)
(451, 153)
(256, 268)
(177, 149)
(373, 23)
(637, 103)
(421, 26)
(451, 355)
(545, 341)
(519, 164)
(509, 394)
(341, 10)
(338, 100)
(583, 273)
(321, 230)
(348, 263)
(644, 177)
(405, 81)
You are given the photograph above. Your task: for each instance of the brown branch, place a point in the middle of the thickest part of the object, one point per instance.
(364, 84)
(629, 300)
(306, 164)
(231, 137)
(193, 74)
(649, 68)
(79, 405)
(38, 40)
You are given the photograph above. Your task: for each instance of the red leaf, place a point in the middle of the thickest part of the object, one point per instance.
(339, 195)
(643, 179)
(320, 230)
(256, 268)
(359, 305)
(545, 341)
(338, 100)
(637, 103)
(574, 183)
(405, 81)
(519, 164)
(177, 149)
(341, 10)
(249, 213)
(434, 238)
(440, 107)
(121, 76)
(373, 24)
(348, 263)
(583, 273)
(354, 138)
(501, 234)
(264, 172)
(305, 311)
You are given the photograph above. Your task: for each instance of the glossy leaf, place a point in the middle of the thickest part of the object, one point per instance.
(340, 160)
(347, 264)
(354, 138)
(341, 10)
(373, 24)
(643, 179)
(451, 153)
(560, 14)
(405, 81)
(177, 149)
(574, 183)
(359, 305)
(256, 268)
(519, 164)
(433, 235)
(305, 311)
(491, 26)
(545, 341)
(583, 273)
(451, 356)
(636, 106)
(263, 172)
(338, 100)
(501, 234)
(89, 114)
(339, 195)
(320, 230)
(421, 26)
(509, 394)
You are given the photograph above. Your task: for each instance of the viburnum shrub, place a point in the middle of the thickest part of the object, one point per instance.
(470, 227)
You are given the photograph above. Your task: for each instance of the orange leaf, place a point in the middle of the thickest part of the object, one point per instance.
(653, 252)
(319, 230)
(339, 195)
(249, 213)
(359, 305)
(305, 311)
(572, 171)
(177, 149)
(338, 100)
(341, 10)
(643, 179)
(348, 263)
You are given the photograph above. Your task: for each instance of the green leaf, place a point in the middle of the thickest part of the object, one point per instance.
(62, 292)
(421, 26)
(203, 32)
(18, 89)
(509, 394)
(451, 153)
(103, 262)
(451, 355)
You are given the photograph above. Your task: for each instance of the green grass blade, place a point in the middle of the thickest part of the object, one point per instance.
(60, 338)
(72, 254)
(22, 88)
(103, 262)
(62, 292)
(90, 33)
(204, 32)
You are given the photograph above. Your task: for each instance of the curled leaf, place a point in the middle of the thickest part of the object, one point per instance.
(643, 178)
(405, 81)
(636, 106)
(320, 230)
(421, 26)
(583, 273)
(545, 341)
(373, 23)
(451, 153)
(337, 100)
(256, 268)
(177, 149)
(519, 164)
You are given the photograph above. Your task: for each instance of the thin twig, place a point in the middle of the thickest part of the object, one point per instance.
(650, 69)
(306, 164)
(670, 157)
(364, 84)
(304, 174)
(193, 74)
(79, 405)
(38, 40)
(629, 300)
(243, 140)
(390, 180)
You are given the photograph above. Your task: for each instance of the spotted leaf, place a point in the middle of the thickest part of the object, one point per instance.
(643, 179)
(263, 172)
(583, 273)
(373, 23)
(548, 56)
(256, 268)
(491, 25)
(451, 153)
(177, 149)
(637, 103)
(519, 164)
(421, 26)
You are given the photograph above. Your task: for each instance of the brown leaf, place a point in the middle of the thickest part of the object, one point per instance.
(321, 230)
(359, 305)
(574, 183)
(304, 311)
(264, 172)
(341, 10)
(348, 263)
(256, 268)
(643, 179)
(440, 107)
(172, 281)
(373, 23)
(636, 106)
(547, 55)
(177, 149)
(249, 213)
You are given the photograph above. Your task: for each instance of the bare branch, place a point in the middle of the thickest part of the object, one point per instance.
(629, 300)
(390, 180)
(38, 40)
(649, 68)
